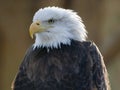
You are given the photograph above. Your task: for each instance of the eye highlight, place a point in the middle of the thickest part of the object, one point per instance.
(51, 21)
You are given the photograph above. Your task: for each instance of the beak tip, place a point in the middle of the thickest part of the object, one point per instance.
(31, 36)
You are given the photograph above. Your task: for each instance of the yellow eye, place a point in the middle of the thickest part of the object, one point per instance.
(50, 21)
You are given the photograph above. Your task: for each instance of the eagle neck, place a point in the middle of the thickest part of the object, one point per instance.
(50, 44)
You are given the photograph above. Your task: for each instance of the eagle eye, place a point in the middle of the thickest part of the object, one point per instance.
(50, 21)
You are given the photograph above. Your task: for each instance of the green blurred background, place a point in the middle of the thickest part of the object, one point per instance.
(101, 17)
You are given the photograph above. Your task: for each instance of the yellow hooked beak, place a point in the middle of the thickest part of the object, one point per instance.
(35, 27)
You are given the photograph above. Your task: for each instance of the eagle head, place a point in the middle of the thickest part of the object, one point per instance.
(53, 26)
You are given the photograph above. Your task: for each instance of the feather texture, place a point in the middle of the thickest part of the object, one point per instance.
(78, 66)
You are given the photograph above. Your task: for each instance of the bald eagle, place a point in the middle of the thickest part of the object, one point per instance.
(61, 58)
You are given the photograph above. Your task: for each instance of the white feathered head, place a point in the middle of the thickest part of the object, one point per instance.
(53, 26)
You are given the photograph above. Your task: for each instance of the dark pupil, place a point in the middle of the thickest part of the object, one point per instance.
(51, 21)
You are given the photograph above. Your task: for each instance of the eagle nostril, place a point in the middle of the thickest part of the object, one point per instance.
(37, 23)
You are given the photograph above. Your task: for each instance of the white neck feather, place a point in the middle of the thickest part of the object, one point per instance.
(51, 40)
(54, 40)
